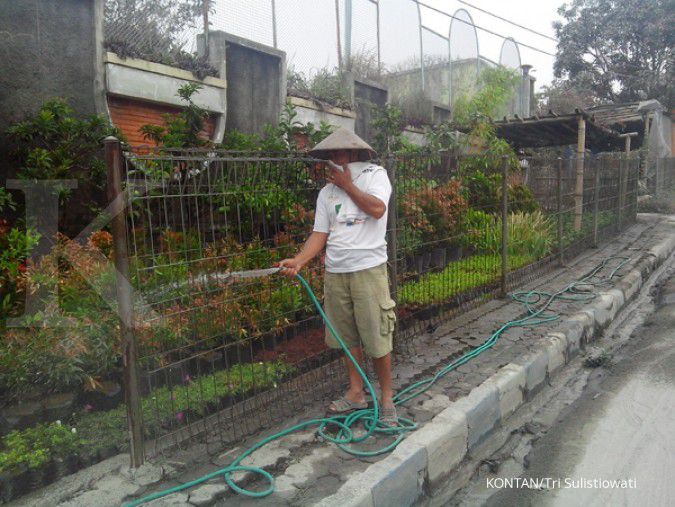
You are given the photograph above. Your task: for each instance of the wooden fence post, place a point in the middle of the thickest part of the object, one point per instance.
(505, 227)
(113, 159)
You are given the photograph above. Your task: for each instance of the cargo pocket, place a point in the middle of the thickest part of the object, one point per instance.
(387, 317)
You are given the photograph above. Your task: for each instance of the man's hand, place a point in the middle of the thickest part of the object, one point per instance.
(341, 178)
(290, 267)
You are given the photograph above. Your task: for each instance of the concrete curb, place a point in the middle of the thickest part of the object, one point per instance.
(429, 455)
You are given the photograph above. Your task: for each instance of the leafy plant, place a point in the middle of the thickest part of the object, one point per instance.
(388, 124)
(34, 447)
(474, 115)
(443, 206)
(6, 200)
(15, 247)
(54, 144)
(497, 86)
(483, 191)
(522, 199)
(442, 137)
(528, 233)
(182, 129)
(296, 80)
(167, 406)
(282, 137)
(328, 86)
(457, 277)
(74, 338)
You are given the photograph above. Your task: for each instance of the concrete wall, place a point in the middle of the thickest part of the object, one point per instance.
(415, 136)
(50, 48)
(155, 82)
(442, 90)
(140, 92)
(255, 76)
(309, 111)
(366, 96)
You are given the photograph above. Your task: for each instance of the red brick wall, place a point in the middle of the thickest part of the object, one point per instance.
(129, 115)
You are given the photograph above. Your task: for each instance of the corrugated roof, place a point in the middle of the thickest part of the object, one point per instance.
(556, 130)
(617, 116)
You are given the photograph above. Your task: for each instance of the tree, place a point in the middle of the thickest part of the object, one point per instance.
(624, 47)
(497, 87)
(564, 96)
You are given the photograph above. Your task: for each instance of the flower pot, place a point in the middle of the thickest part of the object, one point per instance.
(64, 466)
(38, 477)
(210, 360)
(454, 253)
(421, 262)
(6, 487)
(438, 256)
(21, 481)
(426, 262)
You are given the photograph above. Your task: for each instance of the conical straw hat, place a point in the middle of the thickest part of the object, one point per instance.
(342, 139)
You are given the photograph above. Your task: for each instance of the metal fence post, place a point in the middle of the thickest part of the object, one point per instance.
(596, 198)
(205, 21)
(636, 183)
(274, 24)
(392, 241)
(559, 206)
(657, 178)
(622, 170)
(505, 228)
(113, 159)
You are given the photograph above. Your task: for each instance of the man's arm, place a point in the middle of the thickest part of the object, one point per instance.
(312, 247)
(367, 203)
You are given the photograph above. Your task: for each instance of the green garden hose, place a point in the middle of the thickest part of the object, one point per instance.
(536, 304)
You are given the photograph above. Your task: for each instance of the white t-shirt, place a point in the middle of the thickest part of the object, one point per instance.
(356, 241)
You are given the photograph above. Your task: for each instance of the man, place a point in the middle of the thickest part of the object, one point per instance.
(351, 221)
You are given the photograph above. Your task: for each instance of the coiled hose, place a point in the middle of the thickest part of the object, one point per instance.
(536, 304)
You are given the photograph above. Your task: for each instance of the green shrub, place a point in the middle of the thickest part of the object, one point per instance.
(182, 129)
(522, 199)
(483, 191)
(435, 212)
(165, 406)
(456, 278)
(34, 447)
(528, 233)
(54, 144)
(15, 247)
(67, 343)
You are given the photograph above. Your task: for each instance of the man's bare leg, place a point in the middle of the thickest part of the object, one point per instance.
(382, 367)
(355, 392)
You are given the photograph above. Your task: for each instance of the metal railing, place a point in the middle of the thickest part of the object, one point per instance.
(226, 359)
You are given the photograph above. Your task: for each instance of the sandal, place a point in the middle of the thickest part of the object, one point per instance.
(388, 417)
(344, 406)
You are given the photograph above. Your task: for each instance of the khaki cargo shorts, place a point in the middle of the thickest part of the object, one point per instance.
(361, 310)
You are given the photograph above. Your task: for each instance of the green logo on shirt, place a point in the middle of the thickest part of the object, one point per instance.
(337, 208)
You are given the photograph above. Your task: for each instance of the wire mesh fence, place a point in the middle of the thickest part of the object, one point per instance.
(661, 177)
(225, 356)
